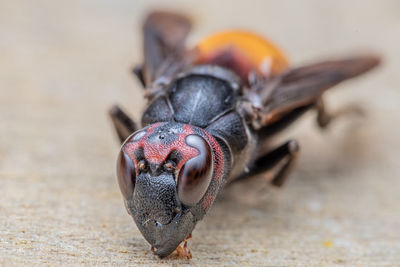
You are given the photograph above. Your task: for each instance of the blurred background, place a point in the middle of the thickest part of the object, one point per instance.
(64, 63)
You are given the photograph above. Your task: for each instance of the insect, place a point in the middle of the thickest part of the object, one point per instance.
(210, 112)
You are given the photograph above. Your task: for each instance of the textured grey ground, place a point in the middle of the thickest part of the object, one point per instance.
(63, 63)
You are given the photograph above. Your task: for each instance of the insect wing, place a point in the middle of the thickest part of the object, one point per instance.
(304, 85)
(164, 37)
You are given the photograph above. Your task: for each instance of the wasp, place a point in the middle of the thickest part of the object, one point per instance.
(210, 113)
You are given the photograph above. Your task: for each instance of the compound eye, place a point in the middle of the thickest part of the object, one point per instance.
(195, 176)
(126, 174)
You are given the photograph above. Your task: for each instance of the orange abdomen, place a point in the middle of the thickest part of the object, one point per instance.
(242, 52)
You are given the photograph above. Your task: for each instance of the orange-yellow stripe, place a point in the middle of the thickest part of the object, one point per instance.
(256, 48)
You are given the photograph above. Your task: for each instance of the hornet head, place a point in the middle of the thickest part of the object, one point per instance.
(169, 174)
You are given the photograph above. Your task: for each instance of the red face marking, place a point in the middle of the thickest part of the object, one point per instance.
(158, 141)
(156, 149)
(219, 165)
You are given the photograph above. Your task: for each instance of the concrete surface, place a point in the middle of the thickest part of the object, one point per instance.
(63, 63)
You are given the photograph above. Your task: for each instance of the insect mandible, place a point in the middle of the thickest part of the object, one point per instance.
(210, 111)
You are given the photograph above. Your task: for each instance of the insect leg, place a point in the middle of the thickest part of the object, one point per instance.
(138, 71)
(324, 118)
(123, 124)
(283, 158)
